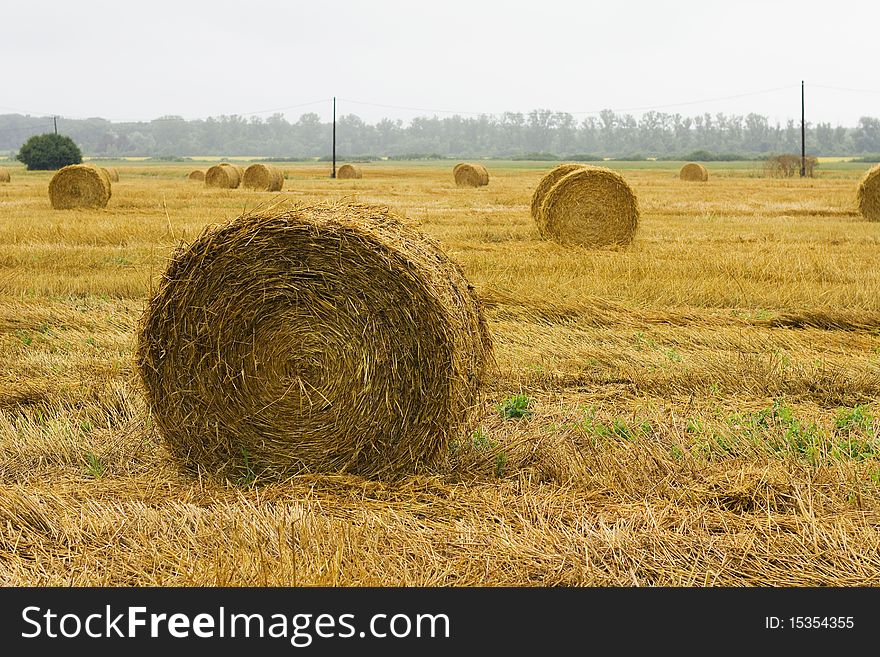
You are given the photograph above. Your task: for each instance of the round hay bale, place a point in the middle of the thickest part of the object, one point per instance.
(263, 177)
(693, 172)
(869, 194)
(112, 173)
(4, 175)
(549, 179)
(591, 206)
(79, 186)
(330, 338)
(467, 174)
(224, 176)
(197, 175)
(349, 171)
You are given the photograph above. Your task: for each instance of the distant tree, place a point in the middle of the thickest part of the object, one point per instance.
(49, 151)
(867, 135)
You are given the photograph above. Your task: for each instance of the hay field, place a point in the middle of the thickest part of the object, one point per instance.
(699, 408)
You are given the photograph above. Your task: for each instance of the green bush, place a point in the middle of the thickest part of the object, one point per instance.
(47, 152)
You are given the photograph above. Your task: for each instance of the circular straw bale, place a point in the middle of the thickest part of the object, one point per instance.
(693, 172)
(544, 185)
(79, 186)
(112, 173)
(467, 174)
(869, 194)
(197, 174)
(223, 175)
(349, 171)
(327, 338)
(263, 177)
(591, 206)
(4, 175)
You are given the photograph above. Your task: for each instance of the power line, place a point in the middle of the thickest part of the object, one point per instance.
(689, 102)
(612, 109)
(833, 88)
(642, 108)
(414, 109)
(140, 120)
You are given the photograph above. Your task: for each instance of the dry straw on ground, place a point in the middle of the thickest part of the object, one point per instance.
(198, 175)
(591, 206)
(223, 175)
(693, 172)
(4, 175)
(470, 175)
(112, 173)
(330, 338)
(544, 186)
(263, 177)
(869, 194)
(349, 171)
(79, 186)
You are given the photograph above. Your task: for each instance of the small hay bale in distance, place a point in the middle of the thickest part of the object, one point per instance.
(349, 171)
(224, 176)
(467, 174)
(263, 177)
(197, 175)
(693, 172)
(4, 175)
(112, 173)
(590, 206)
(869, 194)
(79, 186)
(544, 185)
(330, 338)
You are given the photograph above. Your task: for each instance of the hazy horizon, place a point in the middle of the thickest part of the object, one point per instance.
(398, 60)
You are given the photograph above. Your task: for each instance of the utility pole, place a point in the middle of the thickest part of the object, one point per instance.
(803, 136)
(55, 121)
(333, 174)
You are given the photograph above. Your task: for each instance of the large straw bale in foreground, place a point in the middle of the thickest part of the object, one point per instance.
(869, 194)
(224, 176)
(349, 171)
(4, 175)
(468, 174)
(263, 177)
(544, 185)
(693, 172)
(112, 174)
(591, 206)
(79, 186)
(197, 175)
(330, 338)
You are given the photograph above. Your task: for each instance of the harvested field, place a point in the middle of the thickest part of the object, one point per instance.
(697, 409)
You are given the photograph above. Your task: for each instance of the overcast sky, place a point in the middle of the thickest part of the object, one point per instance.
(399, 59)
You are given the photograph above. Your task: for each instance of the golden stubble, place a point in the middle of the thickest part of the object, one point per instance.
(702, 402)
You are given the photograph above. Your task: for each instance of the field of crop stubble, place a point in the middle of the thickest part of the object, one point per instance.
(697, 409)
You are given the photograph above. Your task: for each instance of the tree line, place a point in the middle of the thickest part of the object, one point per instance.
(534, 134)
